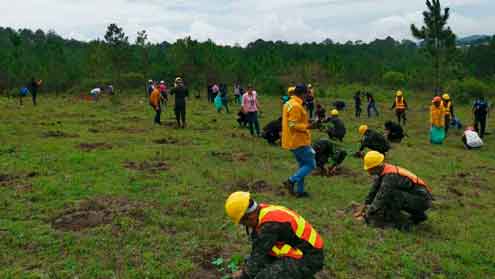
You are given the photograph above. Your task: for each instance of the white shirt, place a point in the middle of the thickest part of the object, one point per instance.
(95, 91)
(472, 139)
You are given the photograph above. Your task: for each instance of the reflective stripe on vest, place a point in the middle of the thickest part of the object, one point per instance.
(400, 104)
(391, 169)
(447, 108)
(301, 228)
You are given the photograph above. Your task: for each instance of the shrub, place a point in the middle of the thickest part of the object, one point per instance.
(464, 91)
(394, 79)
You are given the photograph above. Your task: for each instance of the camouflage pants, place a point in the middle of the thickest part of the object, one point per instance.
(396, 201)
(287, 268)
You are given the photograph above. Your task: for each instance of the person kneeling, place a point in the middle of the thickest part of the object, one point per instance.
(326, 149)
(284, 244)
(271, 132)
(471, 139)
(395, 189)
(393, 132)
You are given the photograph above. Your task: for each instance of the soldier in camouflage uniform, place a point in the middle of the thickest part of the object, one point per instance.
(326, 149)
(373, 140)
(394, 190)
(284, 245)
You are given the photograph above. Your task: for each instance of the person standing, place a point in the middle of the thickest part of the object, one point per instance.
(480, 111)
(448, 108)
(250, 107)
(310, 101)
(371, 104)
(237, 94)
(34, 85)
(437, 121)
(296, 137)
(214, 92)
(151, 87)
(156, 105)
(400, 107)
(225, 98)
(163, 93)
(181, 93)
(357, 104)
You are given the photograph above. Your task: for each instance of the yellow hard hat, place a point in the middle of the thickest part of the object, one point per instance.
(291, 90)
(334, 112)
(236, 205)
(446, 96)
(363, 129)
(373, 159)
(398, 93)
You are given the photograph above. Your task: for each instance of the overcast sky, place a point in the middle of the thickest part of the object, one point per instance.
(242, 21)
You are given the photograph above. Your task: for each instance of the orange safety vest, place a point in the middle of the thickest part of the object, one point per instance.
(391, 169)
(301, 228)
(400, 105)
(447, 108)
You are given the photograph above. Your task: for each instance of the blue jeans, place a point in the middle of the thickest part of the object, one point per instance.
(305, 157)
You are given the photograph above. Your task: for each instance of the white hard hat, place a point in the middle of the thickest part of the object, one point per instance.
(162, 81)
(150, 81)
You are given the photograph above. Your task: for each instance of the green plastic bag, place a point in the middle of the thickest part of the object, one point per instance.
(218, 102)
(437, 135)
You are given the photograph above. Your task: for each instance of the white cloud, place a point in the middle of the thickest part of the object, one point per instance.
(231, 21)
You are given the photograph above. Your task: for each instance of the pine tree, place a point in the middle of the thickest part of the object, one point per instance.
(119, 45)
(436, 36)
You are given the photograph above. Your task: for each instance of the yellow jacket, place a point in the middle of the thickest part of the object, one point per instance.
(295, 124)
(437, 116)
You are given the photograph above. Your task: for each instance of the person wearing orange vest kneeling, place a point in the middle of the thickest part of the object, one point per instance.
(284, 245)
(395, 189)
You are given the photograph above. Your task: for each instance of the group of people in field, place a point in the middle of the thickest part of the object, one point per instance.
(158, 94)
(284, 244)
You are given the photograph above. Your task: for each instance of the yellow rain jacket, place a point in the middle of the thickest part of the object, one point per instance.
(437, 116)
(295, 125)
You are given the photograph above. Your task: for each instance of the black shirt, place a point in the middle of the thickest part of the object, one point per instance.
(180, 93)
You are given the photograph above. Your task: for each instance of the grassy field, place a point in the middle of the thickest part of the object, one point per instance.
(94, 190)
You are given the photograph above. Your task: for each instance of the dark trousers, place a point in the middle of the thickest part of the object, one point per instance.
(401, 115)
(225, 104)
(480, 125)
(253, 122)
(358, 111)
(157, 116)
(447, 123)
(372, 107)
(180, 116)
(33, 95)
(311, 108)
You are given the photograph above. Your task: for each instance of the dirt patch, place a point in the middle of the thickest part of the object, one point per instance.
(96, 212)
(58, 134)
(131, 130)
(169, 123)
(455, 191)
(231, 157)
(166, 141)
(258, 186)
(93, 130)
(132, 118)
(92, 146)
(150, 166)
(340, 171)
(204, 260)
(12, 179)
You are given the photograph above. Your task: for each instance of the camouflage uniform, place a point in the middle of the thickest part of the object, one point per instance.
(392, 193)
(260, 265)
(374, 141)
(326, 149)
(337, 131)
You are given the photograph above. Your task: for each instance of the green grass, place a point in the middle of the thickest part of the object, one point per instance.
(171, 223)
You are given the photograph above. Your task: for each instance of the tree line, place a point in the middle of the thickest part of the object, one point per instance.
(68, 65)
